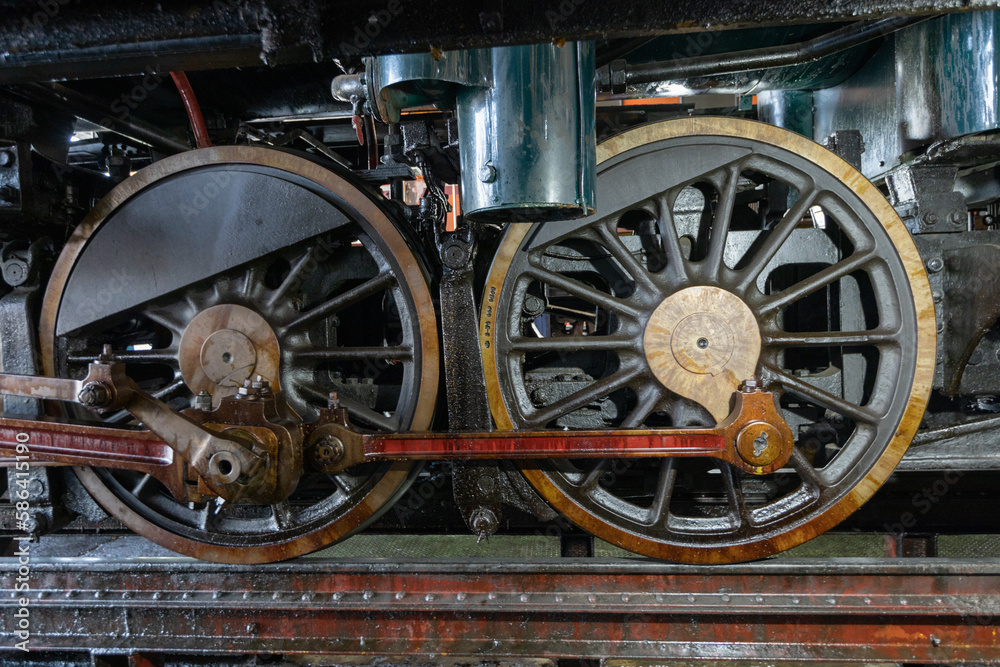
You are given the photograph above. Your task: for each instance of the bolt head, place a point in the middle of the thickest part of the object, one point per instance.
(6, 158)
(94, 395)
(935, 264)
(487, 173)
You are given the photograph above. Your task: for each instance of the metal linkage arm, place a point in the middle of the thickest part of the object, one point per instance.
(229, 464)
(753, 438)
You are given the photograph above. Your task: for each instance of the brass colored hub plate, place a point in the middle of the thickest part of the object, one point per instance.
(225, 345)
(701, 342)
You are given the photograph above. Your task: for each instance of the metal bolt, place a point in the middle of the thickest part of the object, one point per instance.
(484, 522)
(333, 401)
(203, 401)
(248, 391)
(488, 173)
(328, 449)
(935, 640)
(454, 256)
(15, 272)
(930, 218)
(750, 385)
(6, 158)
(94, 395)
(957, 218)
(533, 305)
(935, 264)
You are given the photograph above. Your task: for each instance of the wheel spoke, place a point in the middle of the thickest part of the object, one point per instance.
(875, 337)
(590, 482)
(141, 485)
(392, 352)
(366, 289)
(776, 238)
(734, 494)
(823, 278)
(167, 321)
(807, 473)
(660, 508)
(608, 235)
(649, 398)
(566, 344)
(282, 514)
(253, 279)
(159, 356)
(821, 397)
(721, 221)
(581, 398)
(676, 263)
(161, 394)
(355, 409)
(293, 278)
(583, 291)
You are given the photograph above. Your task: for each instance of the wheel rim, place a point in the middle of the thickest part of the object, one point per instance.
(293, 296)
(700, 511)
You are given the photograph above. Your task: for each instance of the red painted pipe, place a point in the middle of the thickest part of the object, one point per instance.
(201, 139)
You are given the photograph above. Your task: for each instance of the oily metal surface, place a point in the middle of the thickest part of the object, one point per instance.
(309, 529)
(905, 339)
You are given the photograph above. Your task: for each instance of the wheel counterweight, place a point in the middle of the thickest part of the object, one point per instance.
(284, 270)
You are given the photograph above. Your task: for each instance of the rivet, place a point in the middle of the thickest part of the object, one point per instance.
(591, 598)
(691, 598)
(867, 600)
(625, 598)
(368, 595)
(524, 597)
(491, 596)
(429, 597)
(460, 596)
(337, 596)
(400, 595)
(725, 598)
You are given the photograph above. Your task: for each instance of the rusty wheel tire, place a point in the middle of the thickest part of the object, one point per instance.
(648, 242)
(357, 223)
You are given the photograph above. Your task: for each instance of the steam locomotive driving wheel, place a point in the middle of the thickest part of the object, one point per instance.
(224, 265)
(722, 249)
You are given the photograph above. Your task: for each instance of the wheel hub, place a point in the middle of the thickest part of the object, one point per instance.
(223, 346)
(700, 343)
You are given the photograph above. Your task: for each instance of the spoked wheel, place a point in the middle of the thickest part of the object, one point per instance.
(722, 248)
(221, 264)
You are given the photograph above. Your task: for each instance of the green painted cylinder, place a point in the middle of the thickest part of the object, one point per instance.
(527, 142)
(526, 123)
